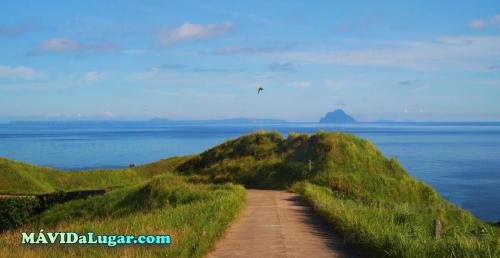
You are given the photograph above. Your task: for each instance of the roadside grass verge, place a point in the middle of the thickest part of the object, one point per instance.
(195, 215)
(402, 230)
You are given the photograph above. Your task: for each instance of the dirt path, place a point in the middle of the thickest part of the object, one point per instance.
(278, 224)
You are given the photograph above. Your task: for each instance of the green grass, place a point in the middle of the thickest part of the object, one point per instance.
(367, 198)
(166, 204)
(403, 230)
(22, 178)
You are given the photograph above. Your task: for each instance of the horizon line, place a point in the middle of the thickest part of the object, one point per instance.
(242, 119)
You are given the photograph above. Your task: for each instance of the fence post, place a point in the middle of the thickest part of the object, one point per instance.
(437, 229)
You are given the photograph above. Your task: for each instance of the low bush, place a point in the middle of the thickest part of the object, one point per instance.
(17, 211)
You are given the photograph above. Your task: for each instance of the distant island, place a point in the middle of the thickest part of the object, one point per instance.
(337, 117)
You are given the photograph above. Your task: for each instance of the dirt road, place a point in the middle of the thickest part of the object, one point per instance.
(278, 224)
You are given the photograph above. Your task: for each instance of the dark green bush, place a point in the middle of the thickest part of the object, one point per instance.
(17, 211)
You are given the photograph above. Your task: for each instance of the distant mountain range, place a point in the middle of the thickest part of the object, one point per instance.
(154, 121)
(337, 117)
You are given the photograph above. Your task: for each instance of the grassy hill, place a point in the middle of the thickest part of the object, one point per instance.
(370, 199)
(22, 178)
(147, 200)
(366, 197)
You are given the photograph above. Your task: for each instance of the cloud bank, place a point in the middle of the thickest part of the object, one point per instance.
(191, 31)
(483, 23)
(21, 72)
(477, 53)
(67, 45)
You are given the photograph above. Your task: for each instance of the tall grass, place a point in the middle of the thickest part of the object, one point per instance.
(22, 178)
(368, 198)
(194, 215)
(402, 230)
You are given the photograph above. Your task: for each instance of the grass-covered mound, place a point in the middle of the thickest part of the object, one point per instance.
(22, 178)
(269, 160)
(368, 198)
(195, 215)
(262, 160)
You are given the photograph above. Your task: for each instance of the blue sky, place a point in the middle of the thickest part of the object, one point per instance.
(401, 60)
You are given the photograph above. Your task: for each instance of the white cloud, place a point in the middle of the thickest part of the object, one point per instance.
(60, 45)
(152, 74)
(477, 24)
(109, 114)
(155, 76)
(93, 76)
(495, 20)
(190, 31)
(449, 53)
(249, 49)
(287, 67)
(301, 84)
(483, 23)
(22, 72)
(66, 45)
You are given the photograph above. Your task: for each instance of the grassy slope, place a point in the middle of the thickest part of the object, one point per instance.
(371, 200)
(165, 205)
(22, 178)
(144, 200)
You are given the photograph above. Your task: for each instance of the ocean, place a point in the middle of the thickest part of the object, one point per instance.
(460, 160)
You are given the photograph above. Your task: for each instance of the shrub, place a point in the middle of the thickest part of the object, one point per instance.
(17, 211)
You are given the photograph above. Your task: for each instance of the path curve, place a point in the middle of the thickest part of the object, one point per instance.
(279, 224)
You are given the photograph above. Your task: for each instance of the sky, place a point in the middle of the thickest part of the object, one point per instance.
(134, 60)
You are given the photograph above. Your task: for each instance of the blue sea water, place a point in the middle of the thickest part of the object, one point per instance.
(460, 160)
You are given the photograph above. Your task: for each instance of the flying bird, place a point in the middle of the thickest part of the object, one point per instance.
(259, 90)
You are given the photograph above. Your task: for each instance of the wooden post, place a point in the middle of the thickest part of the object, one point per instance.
(437, 229)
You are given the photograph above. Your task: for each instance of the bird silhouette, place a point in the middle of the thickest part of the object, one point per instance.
(259, 90)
